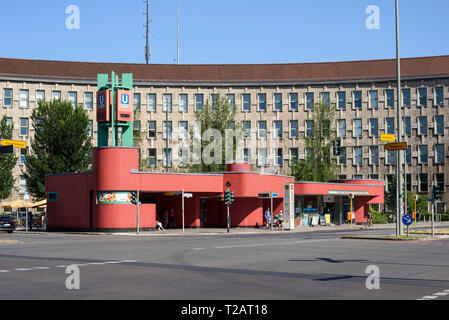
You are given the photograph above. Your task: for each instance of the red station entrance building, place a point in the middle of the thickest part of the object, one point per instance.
(101, 200)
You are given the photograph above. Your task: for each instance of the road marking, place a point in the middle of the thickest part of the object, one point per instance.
(23, 269)
(1, 271)
(435, 295)
(263, 244)
(42, 268)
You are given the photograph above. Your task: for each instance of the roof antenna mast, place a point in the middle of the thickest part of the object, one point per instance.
(147, 47)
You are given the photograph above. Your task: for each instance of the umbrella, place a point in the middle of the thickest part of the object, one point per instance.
(39, 204)
(15, 204)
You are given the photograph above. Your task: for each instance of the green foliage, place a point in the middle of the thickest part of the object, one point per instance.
(378, 217)
(61, 143)
(421, 203)
(7, 162)
(390, 195)
(219, 116)
(320, 165)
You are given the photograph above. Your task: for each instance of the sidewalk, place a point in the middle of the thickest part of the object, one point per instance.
(242, 231)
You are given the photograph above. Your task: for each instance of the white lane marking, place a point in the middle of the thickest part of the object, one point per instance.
(441, 294)
(42, 268)
(23, 269)
(264, 244)
(429, 297)
(2, 271)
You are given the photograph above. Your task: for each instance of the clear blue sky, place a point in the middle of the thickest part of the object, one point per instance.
(222, 31)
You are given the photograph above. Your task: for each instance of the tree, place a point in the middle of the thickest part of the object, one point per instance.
(390, 194)
(421, 204)
(319, 165)
(7, 162)
(219, 117)
(61, 143)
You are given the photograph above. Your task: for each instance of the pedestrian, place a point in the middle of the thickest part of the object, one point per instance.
(172, 219)
(281, 220)
(268, 217)
(165, 218)
(418, 215)
(159, 226)
(30, 220)
(369, 221)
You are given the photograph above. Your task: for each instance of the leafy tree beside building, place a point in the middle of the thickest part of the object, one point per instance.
(7, 161)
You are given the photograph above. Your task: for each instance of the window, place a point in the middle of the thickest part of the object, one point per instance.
(167, 130)
(183, 130)
(293, 128)
(73, 98)
(183, 157)
(56, 95)
(408, 178)
(293, 101)
(439, 124)
(246, 102)
(9, 121)
(309, 100)
(91, 128)
(422, 96)
(40, 95)
(278, 155)
(23, 154)
(308, 152)
(22, 184)
(214, 100)
(389, 125)
(262, 102)
(24, 99)
(408, 154)
(439, 96)
(423, 180)
(373, 99)
(439, 181)
(357, 130)
(374, 176)
(423, 155)
(341, 104)
(389, 95)
(88, 100)
(373, 127)
(183, 103)
(262, 126)
(231, 101)
(293, 155)
(246, 129)
(247, 155)
(151, 129)
(7, 97)
(277, 102)
(262, 157)
(407, 124)
(23, 126)
(406, 101)
(391, 157)
(374, 155)
(278, 129)
(422, 125)
(439, 153)
(358, 160)
(151, 106)
(325, 98)
(357, 177)
(357, 99)
(389, 183)
(136, 125)
(341, 128)
(309, 128)
(137, 104)
(342, 156)
(199, 102)
(168, 157)
(152, 157)
(167, 102)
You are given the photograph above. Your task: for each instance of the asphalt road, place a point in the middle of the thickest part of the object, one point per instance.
(278, 266)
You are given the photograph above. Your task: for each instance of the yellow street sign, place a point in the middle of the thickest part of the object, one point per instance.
(396, 146)
(387, 137)
(15, 143)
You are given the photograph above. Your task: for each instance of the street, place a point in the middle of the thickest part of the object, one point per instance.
(277, 266)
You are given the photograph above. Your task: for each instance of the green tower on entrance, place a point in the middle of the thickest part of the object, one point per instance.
(115, 109)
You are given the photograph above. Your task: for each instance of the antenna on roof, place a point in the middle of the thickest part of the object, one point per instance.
(147, 46)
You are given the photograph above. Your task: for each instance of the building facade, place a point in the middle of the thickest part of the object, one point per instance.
(269, 99)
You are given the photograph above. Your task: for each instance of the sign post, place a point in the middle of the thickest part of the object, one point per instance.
(26, 197)
(351, 196)
(407, 220)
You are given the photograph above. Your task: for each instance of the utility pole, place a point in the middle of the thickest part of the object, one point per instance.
(147, 47)
(399, 157)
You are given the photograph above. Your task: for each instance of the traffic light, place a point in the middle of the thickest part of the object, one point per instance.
(337, 145)
(133, 198)
(231, 197)
(228, 197)
(436, 192)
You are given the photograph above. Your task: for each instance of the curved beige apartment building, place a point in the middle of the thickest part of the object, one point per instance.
(267, 97)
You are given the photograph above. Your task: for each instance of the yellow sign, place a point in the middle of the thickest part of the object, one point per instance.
(387, 137)
(15, 143)
(396, 146)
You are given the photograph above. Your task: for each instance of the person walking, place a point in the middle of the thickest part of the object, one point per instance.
(30, 220)
(280, 220)
(171, 218)
(268, 217)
